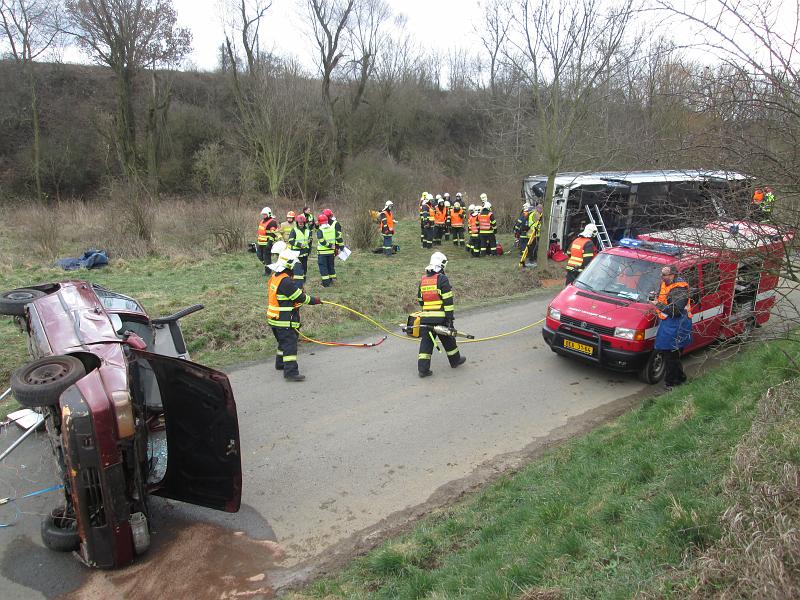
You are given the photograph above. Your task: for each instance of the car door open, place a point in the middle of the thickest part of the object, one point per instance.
(194, 406)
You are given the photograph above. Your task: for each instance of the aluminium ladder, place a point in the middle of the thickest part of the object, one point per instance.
(593, 211)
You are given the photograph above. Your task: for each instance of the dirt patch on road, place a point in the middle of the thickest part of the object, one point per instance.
(338, 556)
(197, 561)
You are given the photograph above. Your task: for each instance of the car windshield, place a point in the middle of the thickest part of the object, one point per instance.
(622, 276)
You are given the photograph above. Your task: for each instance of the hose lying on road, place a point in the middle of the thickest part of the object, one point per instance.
(402, 337)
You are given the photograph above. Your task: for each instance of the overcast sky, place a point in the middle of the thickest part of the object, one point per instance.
(442, 24)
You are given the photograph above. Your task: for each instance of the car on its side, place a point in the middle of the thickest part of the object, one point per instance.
(127, 413)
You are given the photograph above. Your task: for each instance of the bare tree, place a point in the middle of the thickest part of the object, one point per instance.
(30, 28)
(348, 34)
(569, 48)
(494, 34)
(127, 36)
(243, 19)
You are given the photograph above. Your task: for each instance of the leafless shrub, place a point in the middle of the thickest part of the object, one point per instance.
(43, 230)
(363, 196)
(232, 226)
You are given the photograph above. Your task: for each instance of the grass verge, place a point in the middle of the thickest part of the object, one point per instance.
(609, 515)
(232, 329)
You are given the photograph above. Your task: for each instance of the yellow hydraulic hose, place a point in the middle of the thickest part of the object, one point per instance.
(411, 339)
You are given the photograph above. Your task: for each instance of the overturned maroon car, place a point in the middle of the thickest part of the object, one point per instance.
(127, 413)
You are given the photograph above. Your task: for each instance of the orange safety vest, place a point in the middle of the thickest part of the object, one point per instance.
(264, 236)
(577, 254)
(439, 216)
(389, 220)
(457, 217)
(485, 222)
(431, 296)
(758, 197)
(664, 293)
(472, 223)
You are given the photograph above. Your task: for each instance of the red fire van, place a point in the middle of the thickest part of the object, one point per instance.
(605, 317)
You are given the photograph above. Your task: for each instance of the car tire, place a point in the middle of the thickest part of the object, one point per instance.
(41, 382)
(653, 370)
(60, 532)
(13, 303)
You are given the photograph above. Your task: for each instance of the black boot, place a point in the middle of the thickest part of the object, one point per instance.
(460, 361)
(295, 377)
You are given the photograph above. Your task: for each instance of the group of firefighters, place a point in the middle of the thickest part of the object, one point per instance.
(288, 244)
(297, 233)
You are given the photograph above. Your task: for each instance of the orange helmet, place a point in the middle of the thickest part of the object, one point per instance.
(290, 215)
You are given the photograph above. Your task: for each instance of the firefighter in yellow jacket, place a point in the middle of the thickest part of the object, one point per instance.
(283, 314)
(435, 296)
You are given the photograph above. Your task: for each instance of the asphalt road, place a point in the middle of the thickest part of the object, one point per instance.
(332, 464)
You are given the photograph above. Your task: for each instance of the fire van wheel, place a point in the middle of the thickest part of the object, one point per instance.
(653, 370)
(13, 302)
(60, 531)
(41, 382)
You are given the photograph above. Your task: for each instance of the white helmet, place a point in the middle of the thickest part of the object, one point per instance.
(456, 204)
(438, 196)
(458, 194)
(447, 203)
(278, 247)
(526, 207)
(438, 262)
(286, 260)
(447, 195)
(389, 204)
(484, 198)
(266, 211)
(487, 204)
(589, 231)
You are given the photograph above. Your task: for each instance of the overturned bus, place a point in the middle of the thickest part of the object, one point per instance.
(631, 203)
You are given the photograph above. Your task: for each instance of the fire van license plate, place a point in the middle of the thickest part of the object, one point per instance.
(578, 347)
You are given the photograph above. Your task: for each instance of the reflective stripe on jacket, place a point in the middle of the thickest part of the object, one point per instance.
(326, 234)
(486, 222)
(299, 240)
(578, 253)
(472, 223)
(266, 231)
(440, 215)
(435, 297)
(283, 300)
(457, 217)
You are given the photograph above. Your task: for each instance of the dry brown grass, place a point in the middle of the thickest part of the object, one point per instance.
(759, 553)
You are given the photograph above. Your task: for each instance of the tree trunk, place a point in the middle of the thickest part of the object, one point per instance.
(37, 149)
(125, 123)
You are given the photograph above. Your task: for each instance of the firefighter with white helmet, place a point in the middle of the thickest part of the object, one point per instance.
(426, 221)
(581, 252)
(435, 296)
(267, 235)
(473, 231)
(487, 228)
(457, 222)
(387, 227)
(439, 220)
(283, 314)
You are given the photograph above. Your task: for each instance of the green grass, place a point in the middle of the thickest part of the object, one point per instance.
(604, 516)
(232, 329)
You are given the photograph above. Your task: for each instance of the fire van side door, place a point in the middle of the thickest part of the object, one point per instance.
(202, 430)
(707, 304)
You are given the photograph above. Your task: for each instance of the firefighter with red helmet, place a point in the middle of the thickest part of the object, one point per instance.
(300, 241)
(326, 250)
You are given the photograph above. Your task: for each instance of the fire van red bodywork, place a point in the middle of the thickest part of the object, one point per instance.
(732, 270)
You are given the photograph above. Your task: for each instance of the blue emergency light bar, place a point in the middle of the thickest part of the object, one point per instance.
(651, 246)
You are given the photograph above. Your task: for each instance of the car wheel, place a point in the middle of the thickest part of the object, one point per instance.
(41, 382)
(60, 531)
(13, 302)
(653, 370)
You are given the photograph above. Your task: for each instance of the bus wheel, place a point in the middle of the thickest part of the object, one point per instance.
(653, 370)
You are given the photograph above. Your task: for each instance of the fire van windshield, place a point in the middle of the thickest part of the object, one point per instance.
(621, 276)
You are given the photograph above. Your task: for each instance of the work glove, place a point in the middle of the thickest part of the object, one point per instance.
(315, 300)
